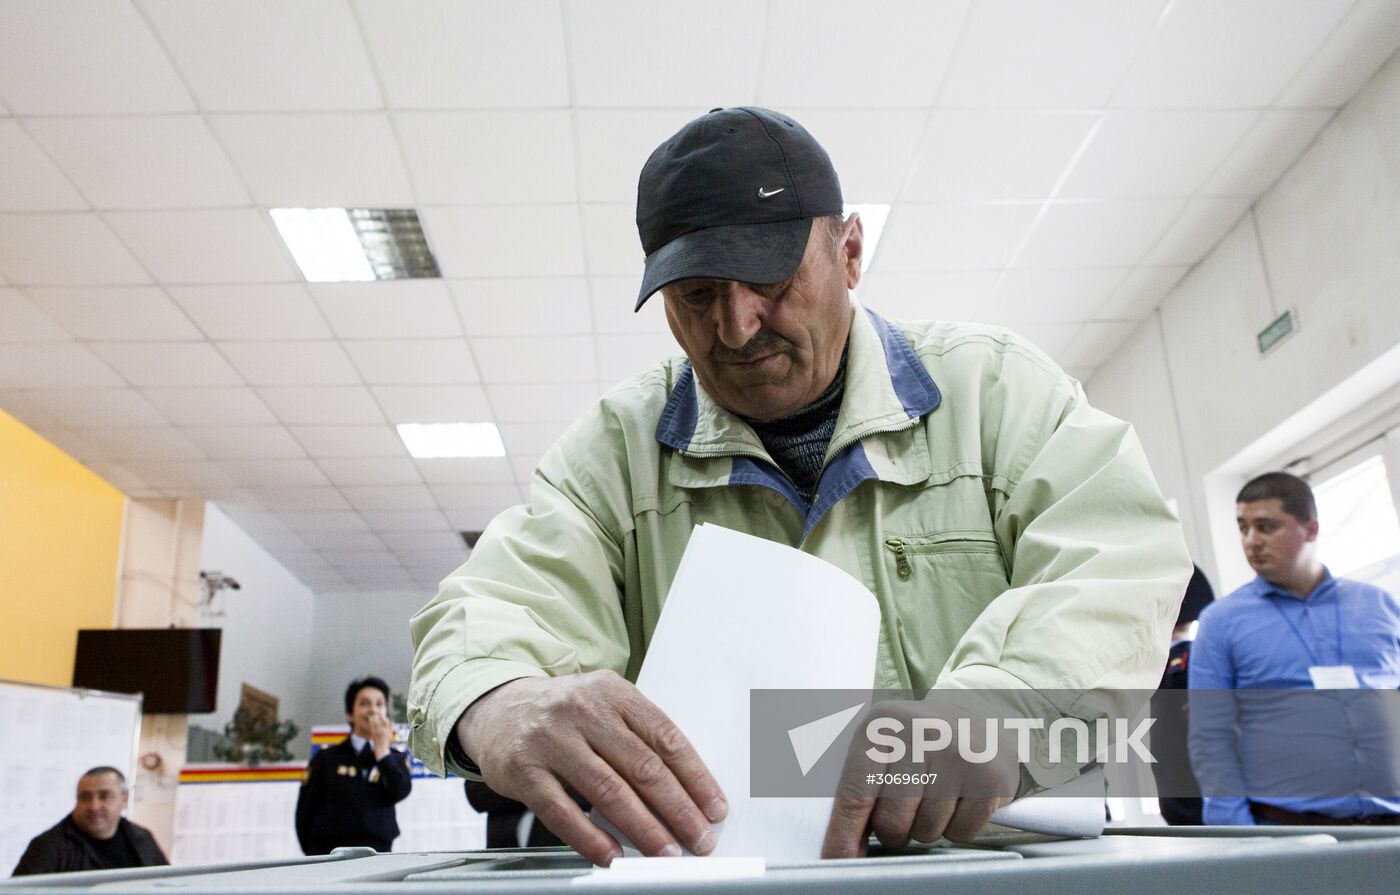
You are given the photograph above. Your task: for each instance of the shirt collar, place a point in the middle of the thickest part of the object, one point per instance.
(358, 742)
(1325, 587)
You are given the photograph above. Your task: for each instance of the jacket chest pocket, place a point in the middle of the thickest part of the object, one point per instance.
(918, 554)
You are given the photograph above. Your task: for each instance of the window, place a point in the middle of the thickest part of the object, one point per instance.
(1356, 515)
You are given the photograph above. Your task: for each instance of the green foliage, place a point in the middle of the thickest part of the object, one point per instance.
(250, 740)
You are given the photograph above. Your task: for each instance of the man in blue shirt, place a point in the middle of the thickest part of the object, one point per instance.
(1319, 758)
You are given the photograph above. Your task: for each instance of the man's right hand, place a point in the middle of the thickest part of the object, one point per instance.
(597, 734)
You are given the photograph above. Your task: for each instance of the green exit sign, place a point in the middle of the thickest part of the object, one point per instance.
(1282, 327)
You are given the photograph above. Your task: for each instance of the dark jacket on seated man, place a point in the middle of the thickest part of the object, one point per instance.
(64, 847)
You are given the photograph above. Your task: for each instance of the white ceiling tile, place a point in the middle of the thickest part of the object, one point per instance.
(480, 158)
(389, 497)
(64, 250)
(977, 155)
(443, 550)
(524, 306)
(1049, 295)
(264, 55)
(1063, 55)
(525, 466)
(532, 438)
(252, 518)
(1271, 146)
(83, 445)
(1097, 234)
(535, 402)
(1365, 39)
(1052, 338)
(210, 406)
(541, 359)
(213, 246)
(1096, 343)
(388, 309)
(467, 471)
(952, 237)
(434, 403)
(54, 365)
(337, 541)
(323, 582)
(389, 521)
(1207, 54)
(262, 311)
(478, 517)
(246, 442)
(613, 144)
(614, 303)
(624, 356)
(503, 241)
(82, 407)
(142, 162)
(1141, 291)
(301, 473)
(905, 46)
(350, 441)
(371, 471)
(131, 312)
(291, 363)
(330, 520)
(67, 57)
(22, 321)
(413, 361)
(300, 499)
(183, 477)
(625, 52)
(1200, 226)
(1151, 155)
(323, 405)
(614, 248)
(356, 563)
(168, 363)
(927, 296)
(28, 180)
(451, 54)
(315, 161)
(146, 443)
(458, 497)
(870, 149)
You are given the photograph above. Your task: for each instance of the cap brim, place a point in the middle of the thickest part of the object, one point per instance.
(749, 253)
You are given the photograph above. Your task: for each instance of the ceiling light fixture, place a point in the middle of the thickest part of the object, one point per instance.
(427, 440)
(339, 245)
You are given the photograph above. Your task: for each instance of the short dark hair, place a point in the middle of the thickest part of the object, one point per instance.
(1291, 491)
(359, 684)
(106, 769)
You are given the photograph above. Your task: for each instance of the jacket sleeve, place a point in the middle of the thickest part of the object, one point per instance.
(1096, 563)
(1213, 743)
(540, 595)
(308, 806)
(395, 775)
(41, 856)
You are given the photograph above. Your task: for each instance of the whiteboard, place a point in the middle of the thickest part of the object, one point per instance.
(50, 736)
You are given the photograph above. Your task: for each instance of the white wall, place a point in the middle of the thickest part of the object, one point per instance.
(358, 634)
(267, 627)
(1323, 241)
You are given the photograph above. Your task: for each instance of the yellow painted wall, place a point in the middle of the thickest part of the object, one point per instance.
(60, 539)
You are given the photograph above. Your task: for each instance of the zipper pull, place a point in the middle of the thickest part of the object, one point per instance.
(901, 562)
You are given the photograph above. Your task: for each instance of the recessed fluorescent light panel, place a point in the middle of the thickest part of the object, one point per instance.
(347, 245)
(872, 224)
(427, 440)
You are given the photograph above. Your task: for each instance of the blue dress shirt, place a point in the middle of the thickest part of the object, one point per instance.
(1263, 637)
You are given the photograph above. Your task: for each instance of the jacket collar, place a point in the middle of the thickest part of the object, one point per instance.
(887, 390)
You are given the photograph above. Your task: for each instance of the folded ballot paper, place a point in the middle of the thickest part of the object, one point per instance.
(744, 613)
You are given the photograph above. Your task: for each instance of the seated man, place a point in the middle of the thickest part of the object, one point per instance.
(95, 836)
(1012, 534)
(351, 788)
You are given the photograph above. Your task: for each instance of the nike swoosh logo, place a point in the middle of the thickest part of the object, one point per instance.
(764, 194)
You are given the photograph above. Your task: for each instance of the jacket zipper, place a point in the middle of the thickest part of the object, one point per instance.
(901, 561)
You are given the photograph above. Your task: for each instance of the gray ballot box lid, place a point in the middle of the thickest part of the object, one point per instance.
(1142, 860)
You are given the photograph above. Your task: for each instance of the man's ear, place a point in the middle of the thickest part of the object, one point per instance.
(852, 249)
(1311, 529)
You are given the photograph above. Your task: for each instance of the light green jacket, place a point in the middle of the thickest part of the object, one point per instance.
(1013, 535)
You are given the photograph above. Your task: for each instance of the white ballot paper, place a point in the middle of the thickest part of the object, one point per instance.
(744, 613)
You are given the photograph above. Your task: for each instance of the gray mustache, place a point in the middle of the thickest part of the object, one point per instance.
(763, 343)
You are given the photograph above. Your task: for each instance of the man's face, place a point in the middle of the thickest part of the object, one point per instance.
(369, 704)
(101, 801)
(765, 351)
(1275, 543)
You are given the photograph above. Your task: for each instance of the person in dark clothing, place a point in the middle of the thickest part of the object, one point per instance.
(1181, 806)
(351, 788)
(95, 836)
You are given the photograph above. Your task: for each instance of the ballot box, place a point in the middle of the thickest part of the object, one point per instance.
(1272, 860)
